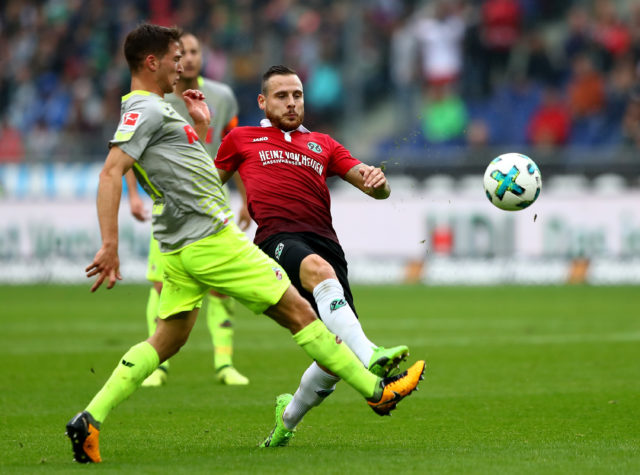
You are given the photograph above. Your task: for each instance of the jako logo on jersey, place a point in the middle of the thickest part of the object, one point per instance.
(278, 273)
(314, 147)
(279, 249)
(130, 118)
(260, 139)
(336, 304)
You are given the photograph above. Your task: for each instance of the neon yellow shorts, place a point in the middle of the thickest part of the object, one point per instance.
(226, 262)
(154, 261)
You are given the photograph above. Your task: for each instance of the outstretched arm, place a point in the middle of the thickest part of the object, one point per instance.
(106, 264)
(370, 180)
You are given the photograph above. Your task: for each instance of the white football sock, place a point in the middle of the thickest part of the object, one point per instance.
(315, 385)
(338, 317)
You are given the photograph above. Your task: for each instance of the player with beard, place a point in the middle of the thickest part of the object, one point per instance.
(284, 168)
(219, 309)
(201, 247)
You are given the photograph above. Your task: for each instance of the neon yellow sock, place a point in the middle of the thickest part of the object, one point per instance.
(321, 345)
(220, 316)
(153, 303)
(136, 364)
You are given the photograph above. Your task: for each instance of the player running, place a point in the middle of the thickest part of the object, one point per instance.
(201, 247)
(284, 168)
(219, 309)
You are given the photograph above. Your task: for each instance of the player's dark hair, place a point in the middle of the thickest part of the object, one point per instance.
(278, 70)
(148, 39)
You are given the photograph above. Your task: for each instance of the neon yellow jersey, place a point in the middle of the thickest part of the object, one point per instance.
(174, 168)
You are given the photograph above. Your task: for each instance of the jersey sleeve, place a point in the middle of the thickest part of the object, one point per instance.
(228, 157)
(137, 126)
(340, 161)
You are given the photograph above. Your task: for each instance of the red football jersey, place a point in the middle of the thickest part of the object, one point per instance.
(285, 175)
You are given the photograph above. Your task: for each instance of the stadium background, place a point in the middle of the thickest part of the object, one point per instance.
(431, 90)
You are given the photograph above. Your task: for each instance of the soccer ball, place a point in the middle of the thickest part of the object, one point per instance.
(512, 181)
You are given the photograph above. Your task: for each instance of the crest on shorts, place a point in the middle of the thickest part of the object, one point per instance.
(277, 272)
(314, 147)
(279, 249)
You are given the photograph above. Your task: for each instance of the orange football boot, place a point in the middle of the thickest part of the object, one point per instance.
(84, 438)
(396, 388)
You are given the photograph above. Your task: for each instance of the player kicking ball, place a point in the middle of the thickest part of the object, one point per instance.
(284, 168)
(201, 247)
(219, 311)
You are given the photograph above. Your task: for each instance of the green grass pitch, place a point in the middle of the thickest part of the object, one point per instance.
(519, 380)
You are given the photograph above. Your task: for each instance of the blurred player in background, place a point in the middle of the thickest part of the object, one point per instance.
(201, 247)
(284, 168)
(219, 309)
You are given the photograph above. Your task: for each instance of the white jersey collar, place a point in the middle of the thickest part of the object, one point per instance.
(287, 134)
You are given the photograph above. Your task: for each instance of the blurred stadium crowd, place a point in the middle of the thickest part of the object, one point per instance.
(470, 74)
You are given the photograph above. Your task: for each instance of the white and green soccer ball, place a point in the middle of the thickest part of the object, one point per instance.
(512, 181)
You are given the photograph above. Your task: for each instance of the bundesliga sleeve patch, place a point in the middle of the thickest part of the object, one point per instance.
(130, 121)
(127, 126)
